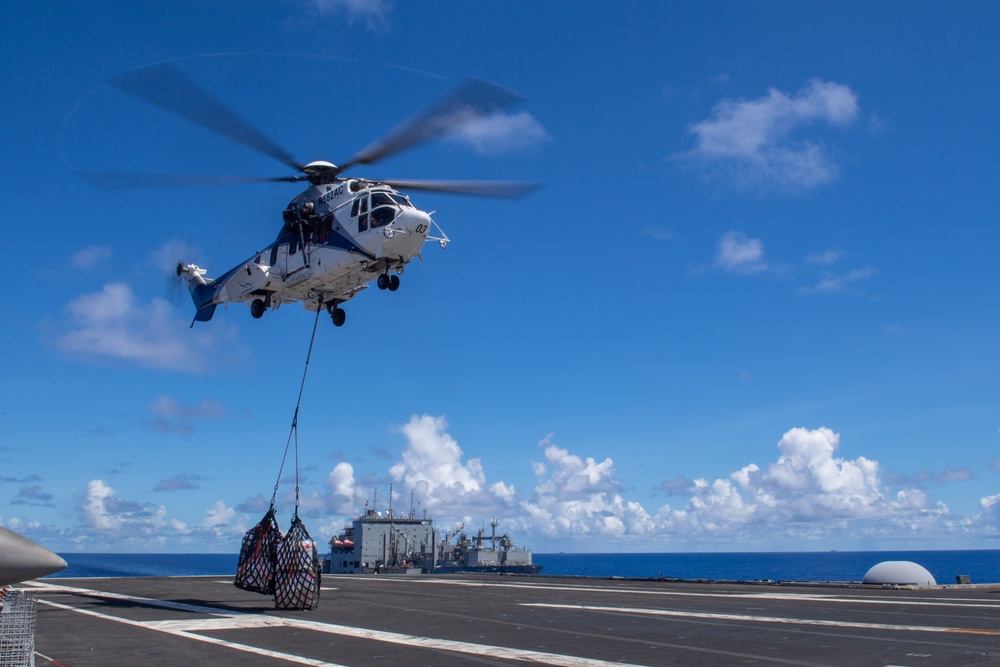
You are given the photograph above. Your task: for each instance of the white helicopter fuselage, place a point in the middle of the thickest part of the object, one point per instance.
(336, 239)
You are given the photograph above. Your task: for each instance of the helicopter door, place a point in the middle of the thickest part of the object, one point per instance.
(360, 211)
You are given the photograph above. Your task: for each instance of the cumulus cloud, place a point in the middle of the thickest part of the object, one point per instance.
(501, 133)
(113, 325)
(739, 254)
(990, 516)
(219, 520)
(90, 256)
(109, 521)
(103, 510)
(758, 144)
(341, 495)
(434, 468)
(579, 497)
(809, 493)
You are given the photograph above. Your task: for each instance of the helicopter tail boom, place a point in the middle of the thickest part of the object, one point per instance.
(202, 291)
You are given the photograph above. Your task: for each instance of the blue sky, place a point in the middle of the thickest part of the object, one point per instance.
(754, 307)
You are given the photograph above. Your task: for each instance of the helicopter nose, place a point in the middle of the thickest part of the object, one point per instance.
(414, 222)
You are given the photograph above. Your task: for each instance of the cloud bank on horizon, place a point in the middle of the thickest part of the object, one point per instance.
(807, 497)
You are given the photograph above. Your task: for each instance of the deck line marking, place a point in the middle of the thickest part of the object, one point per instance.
(765, 619)
(202, 638)
(807, 597)
(166, 604)
(239, 620)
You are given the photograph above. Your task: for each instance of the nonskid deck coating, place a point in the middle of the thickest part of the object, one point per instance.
(504, 620)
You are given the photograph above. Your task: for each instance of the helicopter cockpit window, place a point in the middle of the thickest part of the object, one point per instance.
(401, 200)
(383, 209)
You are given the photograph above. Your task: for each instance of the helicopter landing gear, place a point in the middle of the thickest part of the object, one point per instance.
(391, 283)
(338, 315)
(257, 308)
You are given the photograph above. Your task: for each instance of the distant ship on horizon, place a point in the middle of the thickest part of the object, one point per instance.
(376, 543)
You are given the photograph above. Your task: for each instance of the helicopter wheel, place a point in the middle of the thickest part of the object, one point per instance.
(393, 283)
(383, 281)
(257, 308)
(339, 316)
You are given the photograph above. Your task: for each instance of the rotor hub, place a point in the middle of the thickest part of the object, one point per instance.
(321, 172)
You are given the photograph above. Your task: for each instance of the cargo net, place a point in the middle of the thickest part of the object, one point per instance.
(297, 576)
(17, 628)
(259, 556)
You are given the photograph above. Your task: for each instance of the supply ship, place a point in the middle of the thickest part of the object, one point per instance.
(377, 543)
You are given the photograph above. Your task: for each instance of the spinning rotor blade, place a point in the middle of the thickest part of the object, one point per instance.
(166, 87)
(119, 180)
(472, 99)
(505, 189)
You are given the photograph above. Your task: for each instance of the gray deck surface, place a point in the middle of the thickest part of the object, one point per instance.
(505, 620)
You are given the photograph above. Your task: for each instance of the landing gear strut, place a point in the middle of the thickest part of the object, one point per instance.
(385, 281)
(338, 315)
(257, 308)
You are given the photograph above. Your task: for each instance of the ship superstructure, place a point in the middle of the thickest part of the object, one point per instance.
(393, 543)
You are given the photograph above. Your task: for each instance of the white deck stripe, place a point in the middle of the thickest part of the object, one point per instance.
(764, 619)
(229, 621)
(298, 659)
(784, 597)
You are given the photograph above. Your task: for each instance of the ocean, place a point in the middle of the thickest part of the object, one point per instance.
(982, 566)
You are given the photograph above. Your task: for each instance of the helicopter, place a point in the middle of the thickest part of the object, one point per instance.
(340, 234)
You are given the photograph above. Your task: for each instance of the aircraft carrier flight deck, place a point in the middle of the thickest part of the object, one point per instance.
(449, 620)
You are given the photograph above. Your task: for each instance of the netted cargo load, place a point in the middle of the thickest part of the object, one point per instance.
(259, 556)
(17, 628)
(297, 577)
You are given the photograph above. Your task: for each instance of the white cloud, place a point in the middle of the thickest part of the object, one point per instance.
(373, 13)
(755, 143)
(219, 518)
(990, 516)
(104, 511)
(739, 254)
(808, 494)
(344, 490)
(90, 256)
(113, 324)
(580, 497)
(838, 283)
(500, 133)
(434, 458)
(434, 467)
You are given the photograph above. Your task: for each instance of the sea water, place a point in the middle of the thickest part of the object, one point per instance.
(982, 566)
